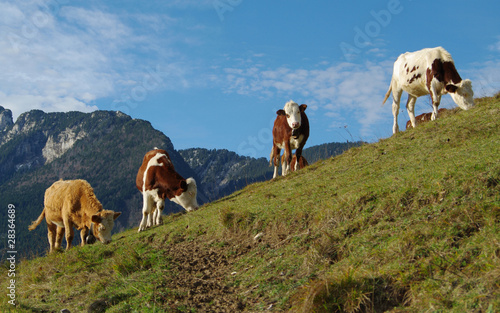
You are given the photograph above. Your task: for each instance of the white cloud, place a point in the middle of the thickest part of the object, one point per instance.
(26, 102)
(496, 46)
(62, 58)
(355, 90)
(48, 65)
(98, 24)
(485, 78)
(485, 75)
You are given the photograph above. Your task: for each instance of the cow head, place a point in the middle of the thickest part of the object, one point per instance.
(104, 222)
(462, 93)
(293, 111)
(187, 195)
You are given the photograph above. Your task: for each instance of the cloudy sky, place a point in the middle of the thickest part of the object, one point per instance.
(213, 73)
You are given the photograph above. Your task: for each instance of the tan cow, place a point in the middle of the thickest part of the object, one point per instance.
(72, 203)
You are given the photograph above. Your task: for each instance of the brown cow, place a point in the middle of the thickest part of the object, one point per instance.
(290, 131)
(72, 203)
(423, 118)
(157, 180)
(428, 71)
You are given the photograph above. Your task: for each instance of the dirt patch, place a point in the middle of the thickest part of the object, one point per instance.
(198, 278)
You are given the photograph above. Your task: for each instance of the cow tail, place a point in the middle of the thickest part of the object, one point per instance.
(387, 94)
(34, 224)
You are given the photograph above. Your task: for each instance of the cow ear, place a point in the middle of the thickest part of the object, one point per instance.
(451, 88)
(96, 219)
(303, 107)
(116, 215)
(281, 112)
(183, 185)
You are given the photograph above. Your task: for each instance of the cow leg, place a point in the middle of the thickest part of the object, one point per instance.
(275, 155)
(435, 105)
(51, 234)
(298, 155)
(59, 237)
(396, 98)
(146, 211)
(159, 209)
(410, 107)
(288, 158)
(155, 215)
(149, 222)
(70, 234)
(83, 235)
(284, 167)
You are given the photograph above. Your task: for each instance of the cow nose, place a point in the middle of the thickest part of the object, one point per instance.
(107, 241)
(295, 125)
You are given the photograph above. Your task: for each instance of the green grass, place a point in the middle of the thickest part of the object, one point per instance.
(409, 224)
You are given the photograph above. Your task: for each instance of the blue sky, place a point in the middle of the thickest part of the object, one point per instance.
(213, 73)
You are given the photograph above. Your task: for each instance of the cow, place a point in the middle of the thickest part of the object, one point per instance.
(72, 203)
(423, 118)
(428, 71)
(157, 180)
(302, 162)
(290, 131)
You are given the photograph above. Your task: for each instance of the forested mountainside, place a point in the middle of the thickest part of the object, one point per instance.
(222, 172)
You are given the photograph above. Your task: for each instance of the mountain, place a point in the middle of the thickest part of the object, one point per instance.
(328, 150)
(105, 148)
(223, 172)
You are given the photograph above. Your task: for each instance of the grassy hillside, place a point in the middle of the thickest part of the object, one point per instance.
(407, 224)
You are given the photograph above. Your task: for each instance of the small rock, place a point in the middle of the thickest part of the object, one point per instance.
(258, 236)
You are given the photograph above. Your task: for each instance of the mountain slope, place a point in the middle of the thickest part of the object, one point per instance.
(407, 224)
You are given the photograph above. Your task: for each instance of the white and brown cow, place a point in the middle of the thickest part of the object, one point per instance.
(72, 203)
(290, 131)
(428, 71)
(157, 180)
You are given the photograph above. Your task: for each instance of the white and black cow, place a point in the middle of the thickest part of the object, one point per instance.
(157, 180)
(290, 131)
(428, 71)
